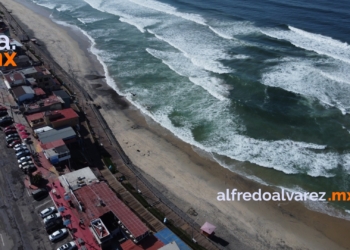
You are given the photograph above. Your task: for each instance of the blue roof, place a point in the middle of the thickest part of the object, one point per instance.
(166, 236)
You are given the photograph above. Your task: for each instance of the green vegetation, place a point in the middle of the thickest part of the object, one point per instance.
(110, 165)
(35, 179)
(134, 192)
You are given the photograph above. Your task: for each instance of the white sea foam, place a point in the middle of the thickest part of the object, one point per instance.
(201, 54)
(303, 77)
(168, 9)
(87, 20)
(230, 30)
(221, 34)
(64, 7)
(45, 4)
(131, 22)
(314, 42)
(182, 66)
(240, 57)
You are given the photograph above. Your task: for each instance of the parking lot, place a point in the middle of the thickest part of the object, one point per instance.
(21, 226)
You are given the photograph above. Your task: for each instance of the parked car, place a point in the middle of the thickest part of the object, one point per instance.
(20, 148)
(22, 154)
(39, 194)
(20, 145)
(9, 127)
(13, 143)
(47, 211)
(68, 246)
(10, 140)
(53, 226)
(11, 135)
(29, 168)
(3, 113)
(24, 159)
(59, 234)
(52, 217)
(5, 120)
(10, 131)
(25, 164)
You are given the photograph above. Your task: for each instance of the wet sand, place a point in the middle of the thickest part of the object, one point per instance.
(188, 177)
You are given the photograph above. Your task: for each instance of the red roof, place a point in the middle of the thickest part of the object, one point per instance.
(66, 115)
(53, 144)
(149, 243)
(89, 196)
(129, 245)
(39, 91)
(35, 116)
(17, 76)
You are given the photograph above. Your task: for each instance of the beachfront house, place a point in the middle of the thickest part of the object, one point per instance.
(22, 94)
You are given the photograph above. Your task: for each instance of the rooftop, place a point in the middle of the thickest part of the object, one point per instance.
(28, 71)
(54, 135)
(56, 151)
(72, 178)
(53, 144)
(171, 246)
(15, 76)
(39, 91)
(149, 243)
(167, 236)
(99, 229)
(51, 100)
(54, 116)
(61, 93)
(98, 199)
(22, 90)
(43, 129)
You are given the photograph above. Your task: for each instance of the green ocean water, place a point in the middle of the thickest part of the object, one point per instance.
(263, 83)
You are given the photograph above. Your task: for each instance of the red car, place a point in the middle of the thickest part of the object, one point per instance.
(14, 143)
(8, 127)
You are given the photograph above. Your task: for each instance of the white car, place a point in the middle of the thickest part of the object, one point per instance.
(52, 217)
(47, 212)
(68, 246)
(20, 148)
(24, 159)
(58, 234)
(25, 164)
(20, 145)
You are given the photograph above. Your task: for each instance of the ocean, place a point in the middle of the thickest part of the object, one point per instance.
(263, 86)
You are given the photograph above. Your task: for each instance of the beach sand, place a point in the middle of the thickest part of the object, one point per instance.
(186, 176)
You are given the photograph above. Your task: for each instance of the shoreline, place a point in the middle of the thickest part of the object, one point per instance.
(215, 175)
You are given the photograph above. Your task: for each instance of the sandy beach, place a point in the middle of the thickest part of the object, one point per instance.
(188, 177)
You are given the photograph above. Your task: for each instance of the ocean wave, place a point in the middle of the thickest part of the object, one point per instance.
(230, 30)
(205, 56)
(48, 5)
(131, 22)
(303, 77)
(168, 9)
(64, 7)
(320, 44)
(87, 20)
(221, 34)
(182, 66)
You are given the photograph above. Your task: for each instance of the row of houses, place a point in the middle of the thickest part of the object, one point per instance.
(88, 202)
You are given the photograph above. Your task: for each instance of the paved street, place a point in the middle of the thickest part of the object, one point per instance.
(20, 224)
